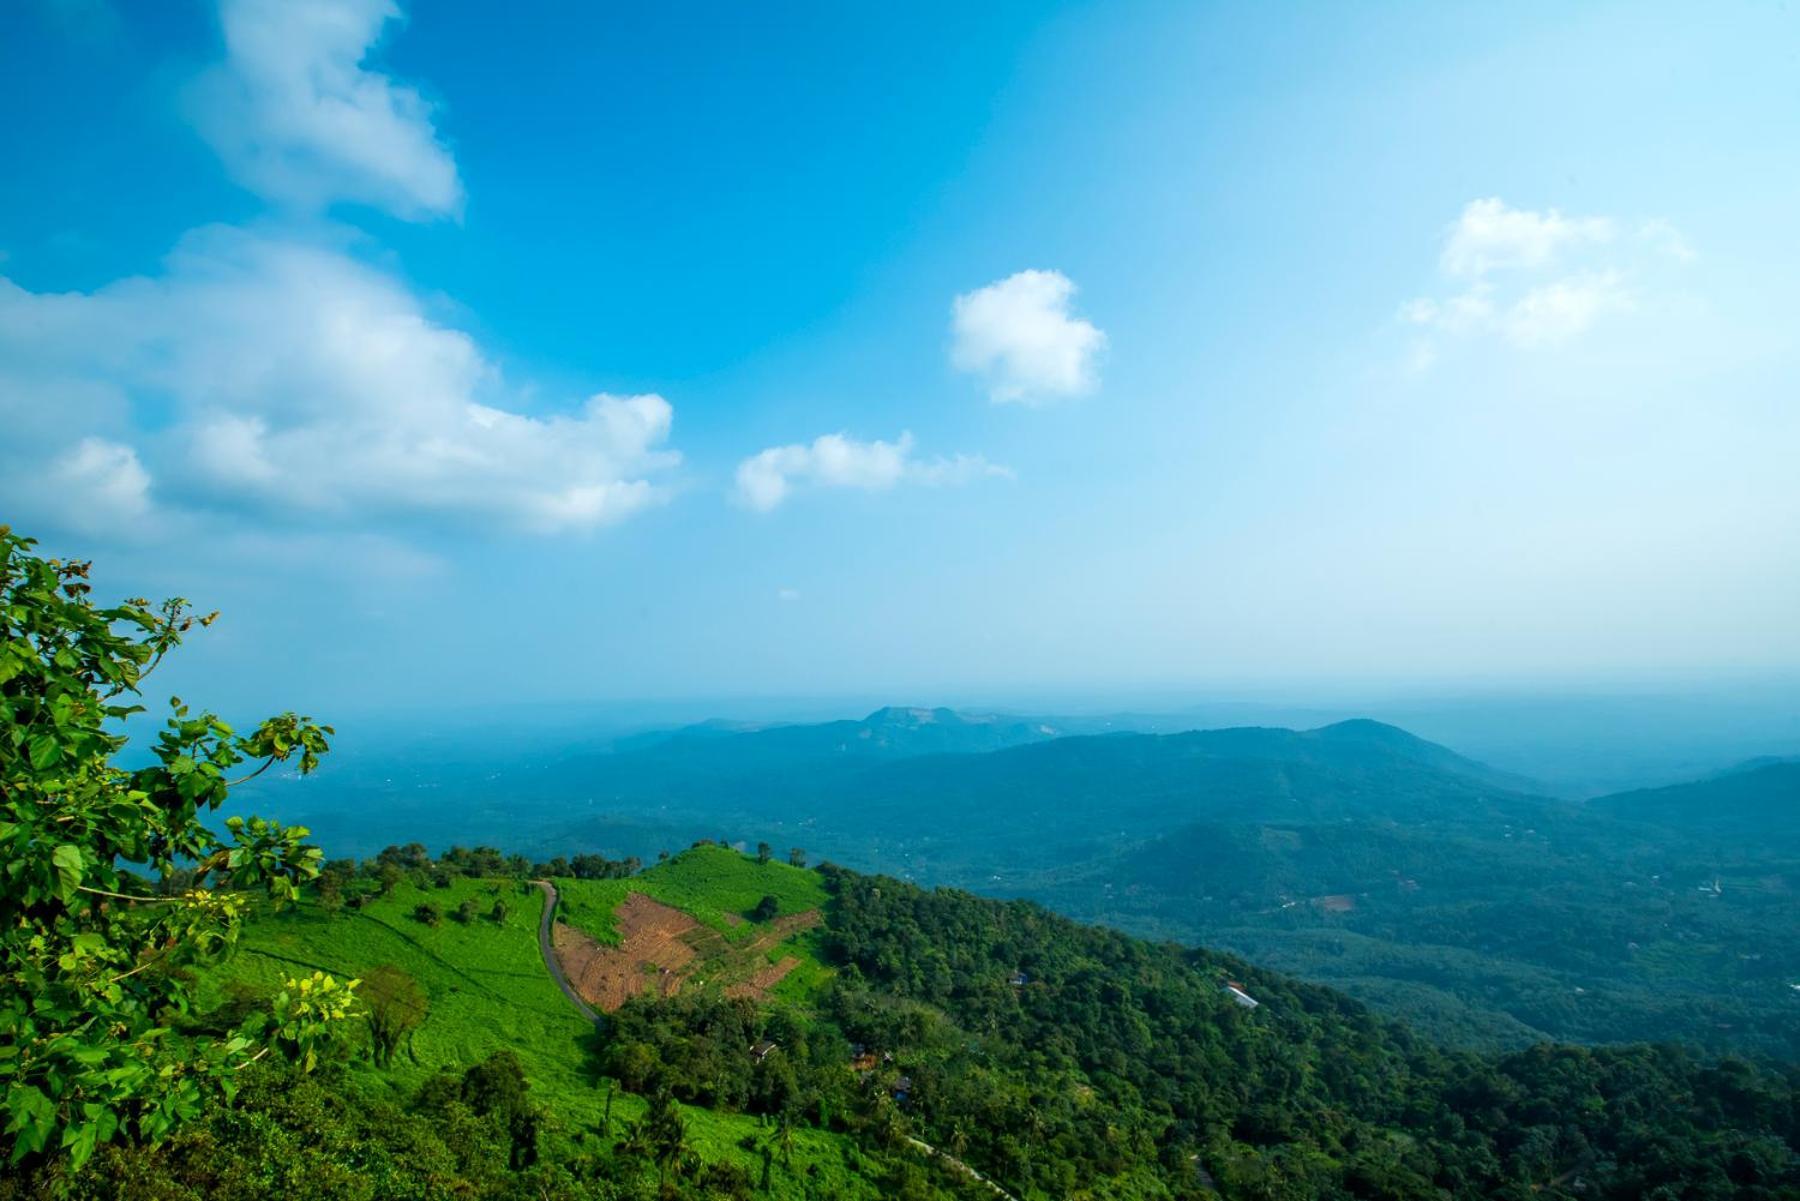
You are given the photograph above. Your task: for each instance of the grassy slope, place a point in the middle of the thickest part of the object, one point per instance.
(489, 991)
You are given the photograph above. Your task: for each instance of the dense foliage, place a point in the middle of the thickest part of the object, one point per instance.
(473, 1135)
(1073, 1052)
(1353, 855)
(113, 881)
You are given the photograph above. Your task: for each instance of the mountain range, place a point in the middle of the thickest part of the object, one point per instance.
(1356, 854)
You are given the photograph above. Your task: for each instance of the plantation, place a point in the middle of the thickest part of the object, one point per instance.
(487, 990)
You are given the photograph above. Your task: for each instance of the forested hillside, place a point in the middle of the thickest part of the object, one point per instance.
(1430, 886)
(936, 1034)
(1462, 898)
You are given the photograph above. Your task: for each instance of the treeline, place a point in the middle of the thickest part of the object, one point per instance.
(353, 883)
(474, 1135)
(415, 862)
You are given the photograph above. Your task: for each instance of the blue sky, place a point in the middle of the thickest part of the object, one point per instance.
(939, 352)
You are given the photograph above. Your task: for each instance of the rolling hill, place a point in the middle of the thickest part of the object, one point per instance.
(937, 1045)
(1354, 854)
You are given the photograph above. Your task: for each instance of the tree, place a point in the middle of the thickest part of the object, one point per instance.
(797, 856)
(766, 909)
(498, 912)
(468, 911)
(662, 1134)
(90, 953)
(411, 857)
(764, 852)
(496, 1087)
(428, 913)
(396, 1007)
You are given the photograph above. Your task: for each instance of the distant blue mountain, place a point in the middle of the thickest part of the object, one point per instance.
(1758, 799)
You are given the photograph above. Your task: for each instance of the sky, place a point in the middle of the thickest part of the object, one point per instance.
(935, 352)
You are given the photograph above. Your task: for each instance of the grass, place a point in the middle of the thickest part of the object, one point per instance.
(714, 885)
(485, 982)
(488, 991)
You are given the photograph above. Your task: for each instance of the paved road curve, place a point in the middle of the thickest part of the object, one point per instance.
(550, 963)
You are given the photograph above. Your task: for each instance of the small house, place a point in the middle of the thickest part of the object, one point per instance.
(1018, 979)
(1236, 992)
(762, 1050)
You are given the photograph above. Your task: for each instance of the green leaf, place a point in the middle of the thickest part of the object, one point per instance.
(44, 751)
(67, 859)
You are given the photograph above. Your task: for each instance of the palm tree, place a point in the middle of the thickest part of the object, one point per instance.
(959, 1141)
(661, 1136)
(785, 1134)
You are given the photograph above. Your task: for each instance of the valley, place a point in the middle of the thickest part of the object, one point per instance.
(1435, 888)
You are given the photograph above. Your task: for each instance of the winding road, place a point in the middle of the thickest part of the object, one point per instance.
(550, 963)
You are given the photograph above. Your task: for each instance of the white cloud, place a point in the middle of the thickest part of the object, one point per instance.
(787, 594)
(1491, 236)
(299, 118)
(1534, 280)
(766, 479)
(1565, 308)
(1020, 334)
(265, 373)
(101, 486)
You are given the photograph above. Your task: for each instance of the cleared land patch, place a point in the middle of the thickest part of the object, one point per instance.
(659, 949)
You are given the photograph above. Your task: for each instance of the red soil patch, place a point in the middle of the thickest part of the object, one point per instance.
(651, 954)
(1341, 902)
(757, 986)
(660, 948)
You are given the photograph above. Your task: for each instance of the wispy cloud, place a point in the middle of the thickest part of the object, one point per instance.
(1021, 335)
(768, 478)
(1534, 279)
(300, 118)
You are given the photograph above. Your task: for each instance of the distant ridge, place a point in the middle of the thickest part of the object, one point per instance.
(893, 731)
(1758, 798)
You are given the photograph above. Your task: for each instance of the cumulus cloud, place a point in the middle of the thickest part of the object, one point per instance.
(1535, 279)
(263, 373)
(766, 479)
(1021, 335)
(298, 116)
